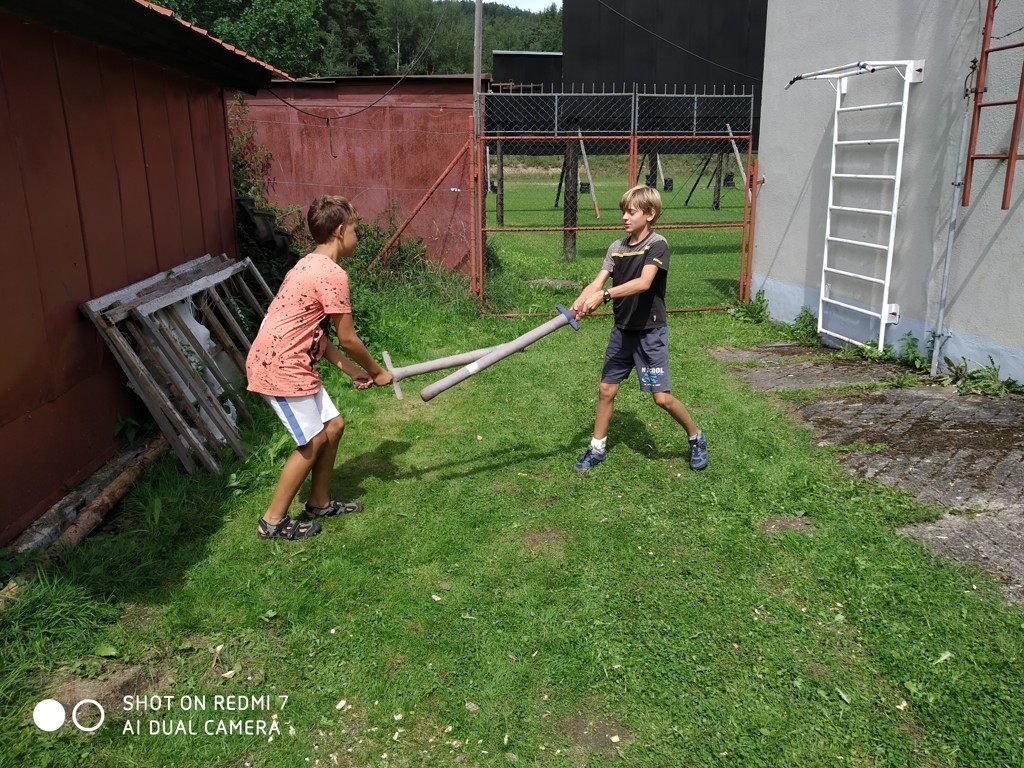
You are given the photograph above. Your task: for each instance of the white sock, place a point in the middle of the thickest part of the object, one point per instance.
(695, 437)
(599, 445)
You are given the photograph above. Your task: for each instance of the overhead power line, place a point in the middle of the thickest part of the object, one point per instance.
(676, 45)
(379, 99)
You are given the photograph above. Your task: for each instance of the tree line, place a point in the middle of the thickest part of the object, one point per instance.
(335, 38)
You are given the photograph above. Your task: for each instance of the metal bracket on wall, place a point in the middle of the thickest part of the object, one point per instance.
(189, 387)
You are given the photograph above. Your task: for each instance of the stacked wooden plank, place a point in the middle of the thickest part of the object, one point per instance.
(190, 386)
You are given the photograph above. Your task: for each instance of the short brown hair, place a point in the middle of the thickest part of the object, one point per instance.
(641, 198)
(326, 214)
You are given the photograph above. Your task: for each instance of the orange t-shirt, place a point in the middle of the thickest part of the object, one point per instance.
(293, 336)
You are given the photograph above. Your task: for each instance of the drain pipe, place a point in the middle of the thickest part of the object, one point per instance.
(939, 336)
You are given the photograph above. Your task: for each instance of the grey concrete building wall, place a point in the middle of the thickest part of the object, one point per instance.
(983, 305)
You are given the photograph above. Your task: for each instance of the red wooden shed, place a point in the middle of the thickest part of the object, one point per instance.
(381, 141)
(116, 166)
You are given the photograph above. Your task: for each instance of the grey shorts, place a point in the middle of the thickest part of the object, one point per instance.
(647, 351)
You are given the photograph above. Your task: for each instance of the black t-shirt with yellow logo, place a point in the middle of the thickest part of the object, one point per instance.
(646, 310)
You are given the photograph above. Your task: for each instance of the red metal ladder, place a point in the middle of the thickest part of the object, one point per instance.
(1011, 155)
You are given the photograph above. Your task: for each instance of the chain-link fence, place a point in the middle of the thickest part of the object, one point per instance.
(509, 114)
(555, 166)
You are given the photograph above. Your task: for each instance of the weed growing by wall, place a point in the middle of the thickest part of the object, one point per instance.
(250, 160)
(804, 328)
(753, 311)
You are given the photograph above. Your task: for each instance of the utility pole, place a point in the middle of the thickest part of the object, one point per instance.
(475, 165)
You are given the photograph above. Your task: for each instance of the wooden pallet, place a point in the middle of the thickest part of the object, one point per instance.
(191, 392)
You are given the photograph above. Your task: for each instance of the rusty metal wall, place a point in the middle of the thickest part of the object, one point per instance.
(113, 170)
(378, 142)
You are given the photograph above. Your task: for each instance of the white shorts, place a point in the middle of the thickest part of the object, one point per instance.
(304, 416)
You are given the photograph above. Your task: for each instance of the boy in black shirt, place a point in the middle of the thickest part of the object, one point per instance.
(638, 266)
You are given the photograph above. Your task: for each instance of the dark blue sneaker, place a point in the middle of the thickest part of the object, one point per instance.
(588, 460)
(698, 451)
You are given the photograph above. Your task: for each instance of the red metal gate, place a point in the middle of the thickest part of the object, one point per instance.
(560, 194)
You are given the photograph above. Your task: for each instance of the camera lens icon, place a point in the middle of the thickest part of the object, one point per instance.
(49, 715)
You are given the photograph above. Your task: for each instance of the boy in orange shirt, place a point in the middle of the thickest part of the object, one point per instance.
(281, 366)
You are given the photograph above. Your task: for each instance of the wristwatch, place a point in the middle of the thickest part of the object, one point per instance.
(607, 296)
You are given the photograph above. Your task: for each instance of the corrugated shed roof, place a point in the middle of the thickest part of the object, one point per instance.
(149, 31)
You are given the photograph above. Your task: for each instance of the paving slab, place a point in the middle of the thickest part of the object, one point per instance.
(963, 452)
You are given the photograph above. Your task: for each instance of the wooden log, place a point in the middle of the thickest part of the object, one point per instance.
(92, 514)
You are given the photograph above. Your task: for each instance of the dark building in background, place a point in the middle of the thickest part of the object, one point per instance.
(685, 44)
(674, 46)
(526, 72)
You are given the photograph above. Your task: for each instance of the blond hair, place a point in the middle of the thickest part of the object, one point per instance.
(641, 198)
(326, 214)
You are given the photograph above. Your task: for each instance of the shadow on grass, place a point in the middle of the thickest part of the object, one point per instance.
(142, 556)
(728, 288)
(125, 570)
(628, 430)
(380, 463)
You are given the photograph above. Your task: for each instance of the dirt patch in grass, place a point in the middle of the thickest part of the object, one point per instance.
(769, 353)
(109, 682)
(555, 283)
(817, 671)
(594, 734)
(110, 685)
(546, 540)
(137, 616)
(779, 524)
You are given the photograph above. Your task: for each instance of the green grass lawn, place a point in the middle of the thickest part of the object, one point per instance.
(492, 607)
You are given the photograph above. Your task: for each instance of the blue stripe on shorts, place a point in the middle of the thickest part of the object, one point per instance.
(293, 423)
